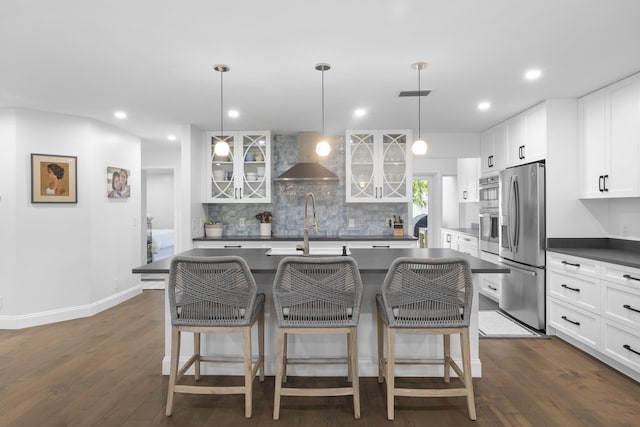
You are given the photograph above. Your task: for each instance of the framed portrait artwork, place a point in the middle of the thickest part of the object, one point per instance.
(54, 179)
(118, 183)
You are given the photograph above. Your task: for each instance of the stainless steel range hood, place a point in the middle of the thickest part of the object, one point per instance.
(307, 168)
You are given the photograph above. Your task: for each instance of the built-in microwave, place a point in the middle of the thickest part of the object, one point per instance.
(489, 193)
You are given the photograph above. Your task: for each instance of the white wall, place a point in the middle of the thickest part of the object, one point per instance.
(160, 198)
(8, 213)
(71, 260)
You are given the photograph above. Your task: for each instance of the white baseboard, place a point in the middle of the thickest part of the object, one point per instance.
(68, 313)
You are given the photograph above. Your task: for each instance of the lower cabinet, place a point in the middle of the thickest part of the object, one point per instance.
(458, 241)
(231, 244)
(490, 283)
(596, 305)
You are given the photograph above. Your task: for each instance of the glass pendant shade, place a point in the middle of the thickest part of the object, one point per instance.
(419, 147)
(323, 148)
(221, 149)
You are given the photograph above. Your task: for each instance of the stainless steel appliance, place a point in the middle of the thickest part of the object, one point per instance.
(489, 206)
(522, 243)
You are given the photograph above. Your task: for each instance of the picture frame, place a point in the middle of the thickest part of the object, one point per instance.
(118, 186)
(54, 178)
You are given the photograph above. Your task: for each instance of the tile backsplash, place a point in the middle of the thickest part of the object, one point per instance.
(288, 197)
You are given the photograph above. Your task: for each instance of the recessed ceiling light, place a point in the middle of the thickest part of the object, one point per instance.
(120, 115)
(234, 114)
(533, 74)
(171, 137)
(483, 106)
(360, 112)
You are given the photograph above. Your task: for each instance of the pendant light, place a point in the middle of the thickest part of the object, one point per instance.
(323, 148)
(419, 147)
(222, 147)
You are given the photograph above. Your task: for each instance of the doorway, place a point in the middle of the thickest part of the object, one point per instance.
(159, 209)
(420, 208)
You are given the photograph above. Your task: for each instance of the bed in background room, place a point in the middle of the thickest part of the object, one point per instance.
(162, 243)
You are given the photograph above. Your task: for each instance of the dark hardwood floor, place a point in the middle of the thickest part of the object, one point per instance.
(105, 371)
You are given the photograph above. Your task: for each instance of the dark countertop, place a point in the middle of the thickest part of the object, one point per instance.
(471, 231)
(369, 260)
(614, 251)
(312, 237)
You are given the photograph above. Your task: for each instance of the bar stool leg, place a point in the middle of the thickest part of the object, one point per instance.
(196, 353)
(248, 378)
(173, 368)
(466, 366)
(379, 326)
(391, 361)
(261, 343)
(349, 350)
(284, 357)
(353, 363)
(446, 338)
(279, 373)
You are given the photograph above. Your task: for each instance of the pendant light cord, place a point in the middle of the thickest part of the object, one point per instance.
(221, 105)
(419, 103)
(322, 103)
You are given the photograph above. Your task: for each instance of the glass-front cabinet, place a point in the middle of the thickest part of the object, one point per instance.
(242, 176)
(378, 166)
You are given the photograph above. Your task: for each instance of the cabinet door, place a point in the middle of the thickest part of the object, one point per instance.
(493, 149)
(253, 168)
(395, 172)
(361, 167)
(487, 155)
(446, 239)
(221, 171)
(591, 144)
(515, 140)
(535, 147)
(623, 155)
(468, 175)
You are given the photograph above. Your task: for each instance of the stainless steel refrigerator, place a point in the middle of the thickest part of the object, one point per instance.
(522, 243)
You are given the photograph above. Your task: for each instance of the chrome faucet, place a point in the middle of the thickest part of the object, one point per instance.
(305, 245)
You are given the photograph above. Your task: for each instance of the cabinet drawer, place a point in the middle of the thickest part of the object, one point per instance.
(580, 324)
(622, 304)
(622, 275)
(490, 286)
(622, 345)
(572, 264)
(230, 244)
(582, 291)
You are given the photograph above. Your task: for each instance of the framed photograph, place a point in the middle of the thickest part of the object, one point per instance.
(118, 183)
(53, 179)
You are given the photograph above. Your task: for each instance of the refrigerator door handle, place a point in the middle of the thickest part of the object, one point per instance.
(516, 229)
(521, 270)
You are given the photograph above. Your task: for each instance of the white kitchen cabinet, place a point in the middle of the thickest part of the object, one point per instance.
(493, 145)
(597, 305)
(527, 136)
(609, 141)
(378, 166)
(382, 244)
(490, 283)
(458, 241)
(446, 240)
(244, 176)
(468, 176)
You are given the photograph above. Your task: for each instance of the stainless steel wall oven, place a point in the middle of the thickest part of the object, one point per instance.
(489, 192)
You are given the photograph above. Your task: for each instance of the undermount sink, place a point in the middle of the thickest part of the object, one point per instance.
(312, 251)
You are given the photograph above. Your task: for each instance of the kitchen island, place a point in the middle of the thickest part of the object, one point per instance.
(373, 265)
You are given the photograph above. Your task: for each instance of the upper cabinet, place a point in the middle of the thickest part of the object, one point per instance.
(378, 166)
(468, 177)
(519, 140)
(609, 141)
(493, 146)
(244, 176)
(527, 136)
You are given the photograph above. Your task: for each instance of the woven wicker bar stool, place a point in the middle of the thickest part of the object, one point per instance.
(214, 294)
(431, 296)
(317, 296)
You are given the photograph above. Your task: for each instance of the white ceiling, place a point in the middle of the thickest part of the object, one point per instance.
(154, 59)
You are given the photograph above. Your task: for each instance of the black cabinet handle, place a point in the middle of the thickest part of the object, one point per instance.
(570, 288)
(490, 161)
(232, 246)
(628, 347)
(464, 194)
(600, 183)
(381, 246)
(571, 263)
(630, 277)
(570, 321)
(606, 183)
(628, 307)
(492, 288)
